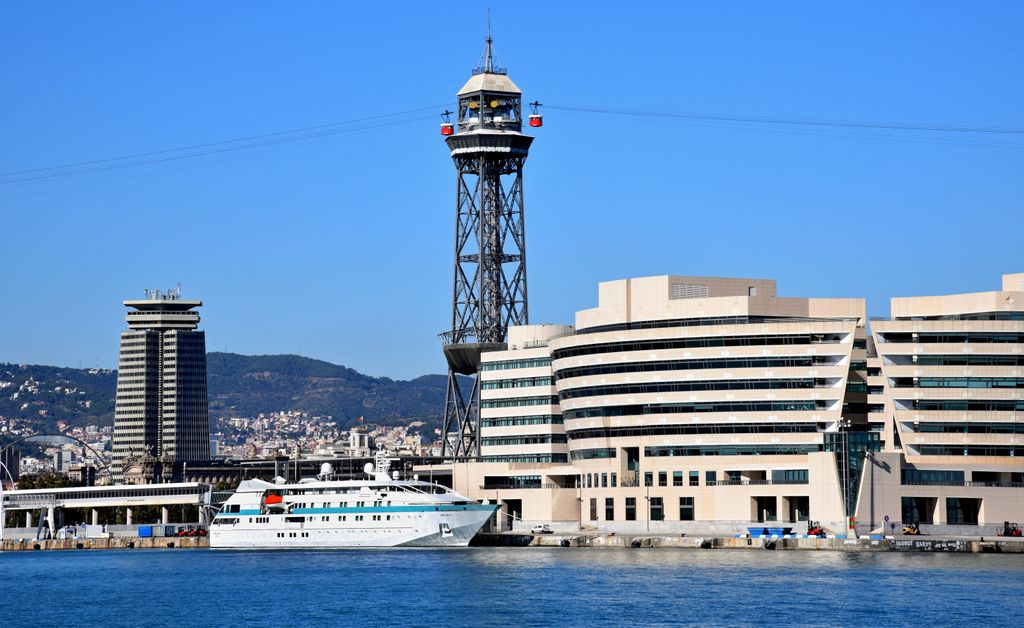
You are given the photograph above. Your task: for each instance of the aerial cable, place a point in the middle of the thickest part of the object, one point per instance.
(185, 166)
(221, 142)
(898, 126)
(268, 139)
(392, 119)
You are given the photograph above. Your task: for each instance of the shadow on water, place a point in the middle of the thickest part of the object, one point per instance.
(522, 586)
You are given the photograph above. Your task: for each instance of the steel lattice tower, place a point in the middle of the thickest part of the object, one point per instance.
(489, 291)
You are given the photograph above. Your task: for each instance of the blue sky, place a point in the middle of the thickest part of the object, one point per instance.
(340, 247)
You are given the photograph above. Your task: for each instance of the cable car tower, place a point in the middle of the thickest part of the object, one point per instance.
(489, 291)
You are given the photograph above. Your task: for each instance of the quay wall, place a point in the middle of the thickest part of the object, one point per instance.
(1005, 546)
(163, 542)
(999, 546)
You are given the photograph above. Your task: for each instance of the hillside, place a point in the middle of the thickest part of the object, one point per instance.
(247, 385)
(239, 385)
(43, 395)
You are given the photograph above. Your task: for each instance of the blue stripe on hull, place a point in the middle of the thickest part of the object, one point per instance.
(364, 510)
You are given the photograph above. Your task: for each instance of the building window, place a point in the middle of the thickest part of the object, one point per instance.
(962, 511)
(789, 476)
(686, 509)
(630, 509)
(648, 478)
(609, 509)
(604, 480)
(593, 509)
(694, 478)
(615, 479)
(662, 478)
(710, 478)
(677, 478)
(590, 481)
(752, 291)
(657, 509)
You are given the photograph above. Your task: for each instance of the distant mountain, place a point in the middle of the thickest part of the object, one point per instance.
(239, 385)
(44, 395)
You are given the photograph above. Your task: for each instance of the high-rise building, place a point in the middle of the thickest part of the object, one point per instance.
(161, 409)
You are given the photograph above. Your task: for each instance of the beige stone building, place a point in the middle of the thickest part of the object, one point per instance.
(700, 404)
(951, 373)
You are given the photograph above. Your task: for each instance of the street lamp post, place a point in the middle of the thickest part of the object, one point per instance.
(648, 507)
(579, 499)
(844, 425)
(3, 513)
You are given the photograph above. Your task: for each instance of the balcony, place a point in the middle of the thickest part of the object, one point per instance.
(753, 482)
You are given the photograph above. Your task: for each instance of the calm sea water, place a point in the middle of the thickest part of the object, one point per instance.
(508, 586)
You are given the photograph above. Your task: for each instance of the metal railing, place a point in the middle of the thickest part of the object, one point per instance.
(753, 482)
(981, 484)
(630, 480)
(504, 487)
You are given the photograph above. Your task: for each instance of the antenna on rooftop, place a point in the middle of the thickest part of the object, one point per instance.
(487, 62)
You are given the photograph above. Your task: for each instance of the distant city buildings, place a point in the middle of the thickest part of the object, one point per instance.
(162, 413)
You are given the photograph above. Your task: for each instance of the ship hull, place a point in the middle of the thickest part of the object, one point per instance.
(423, 528)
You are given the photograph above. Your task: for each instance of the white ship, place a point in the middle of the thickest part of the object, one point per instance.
(379, 512)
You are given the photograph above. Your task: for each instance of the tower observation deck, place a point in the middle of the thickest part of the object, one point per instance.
(489, 290)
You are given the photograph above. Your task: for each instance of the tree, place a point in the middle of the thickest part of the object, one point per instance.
(50, 480)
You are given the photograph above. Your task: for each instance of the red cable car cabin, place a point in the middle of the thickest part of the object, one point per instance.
(448, 129)
(536, 119)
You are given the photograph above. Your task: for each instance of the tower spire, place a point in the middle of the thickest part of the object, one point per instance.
(488, 64)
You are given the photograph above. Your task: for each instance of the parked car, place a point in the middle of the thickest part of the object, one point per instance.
(541, 529)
